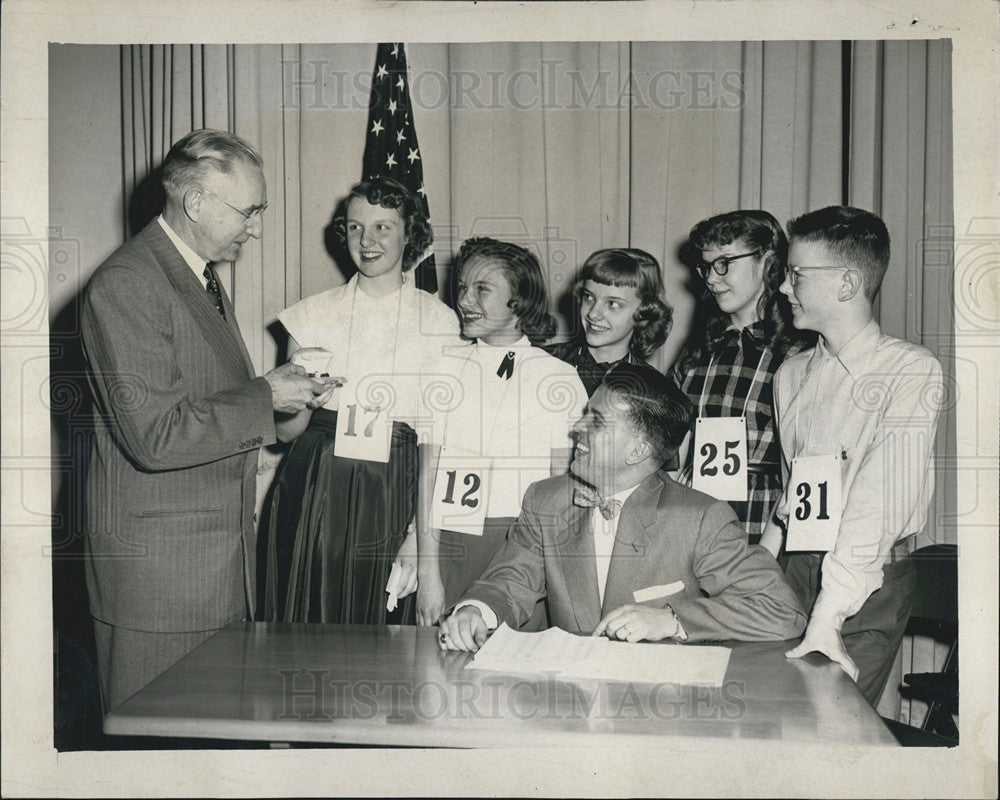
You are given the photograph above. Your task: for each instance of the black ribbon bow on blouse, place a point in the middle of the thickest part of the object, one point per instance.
(506, 366)
(589, 498)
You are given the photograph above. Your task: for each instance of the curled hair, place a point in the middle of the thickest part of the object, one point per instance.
(757, 230)
(660, 412)
(529, 298)
(621, 266)
(195, 156)
(858, 238)
(390, 193)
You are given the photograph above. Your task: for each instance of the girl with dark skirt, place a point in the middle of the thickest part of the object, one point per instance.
(345, 494)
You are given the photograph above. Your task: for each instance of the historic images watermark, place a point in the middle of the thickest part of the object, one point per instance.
(318, 84)
(315, 695)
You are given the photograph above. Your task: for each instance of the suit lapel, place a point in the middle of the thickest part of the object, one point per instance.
(632, 542)
(231, 320)
(579, 569)
(220, 334)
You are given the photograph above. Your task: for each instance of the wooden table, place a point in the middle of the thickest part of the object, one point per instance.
(391, 685)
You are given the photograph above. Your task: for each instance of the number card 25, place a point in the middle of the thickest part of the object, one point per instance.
(720, 457)
(814, 501)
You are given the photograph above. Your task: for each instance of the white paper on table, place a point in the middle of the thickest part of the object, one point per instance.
(598, 658)
(392, 586)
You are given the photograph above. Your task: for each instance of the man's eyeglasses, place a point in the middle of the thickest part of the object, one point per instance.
(248, 216)
(721, 264)
(793, 273)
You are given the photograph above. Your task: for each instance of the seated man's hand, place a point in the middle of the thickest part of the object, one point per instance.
(463, 630)
(822, 637)
(633, 623)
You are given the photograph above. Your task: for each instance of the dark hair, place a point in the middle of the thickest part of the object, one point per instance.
(390, 193)
(193, 157)
(658, 409)
(758, 230)
(621, 266)
(857, 237)
(529, 299)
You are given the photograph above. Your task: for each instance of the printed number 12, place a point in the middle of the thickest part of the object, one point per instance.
(468, 499)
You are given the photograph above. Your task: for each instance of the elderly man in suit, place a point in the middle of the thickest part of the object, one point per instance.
(620, 549)
(179, 417)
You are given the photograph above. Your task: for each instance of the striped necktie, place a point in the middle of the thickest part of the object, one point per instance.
(212, 285)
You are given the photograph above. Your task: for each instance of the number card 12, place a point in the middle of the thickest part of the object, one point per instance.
(461, 492)
(814, 500)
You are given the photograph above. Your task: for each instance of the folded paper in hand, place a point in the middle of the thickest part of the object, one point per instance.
(569, 656)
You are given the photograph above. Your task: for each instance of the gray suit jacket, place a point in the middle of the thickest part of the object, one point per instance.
(178, 420)
(668, 536)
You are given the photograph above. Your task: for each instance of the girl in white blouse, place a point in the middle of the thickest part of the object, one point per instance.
(345, 493)
(507, 424)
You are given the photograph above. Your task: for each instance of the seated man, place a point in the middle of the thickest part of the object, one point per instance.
(620, 549)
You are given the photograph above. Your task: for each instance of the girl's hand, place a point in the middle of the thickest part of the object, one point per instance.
(407, 558)
(430, 600)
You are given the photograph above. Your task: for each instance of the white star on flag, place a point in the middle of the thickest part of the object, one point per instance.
(413, 155)
(377, 127)
(392, 106)
(390, 161)
(400, 84)
(400, 137)
(382, 71)
(395, 49)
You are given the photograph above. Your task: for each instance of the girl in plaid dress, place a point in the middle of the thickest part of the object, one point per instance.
(740, 335)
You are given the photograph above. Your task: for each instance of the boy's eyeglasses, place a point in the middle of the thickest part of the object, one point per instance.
(793, 273)
(721, 264)
(248, 216)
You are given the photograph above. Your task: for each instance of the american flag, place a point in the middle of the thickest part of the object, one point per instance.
(391, 148)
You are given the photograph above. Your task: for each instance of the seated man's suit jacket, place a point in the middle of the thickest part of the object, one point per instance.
(668, 536)
(179, 417)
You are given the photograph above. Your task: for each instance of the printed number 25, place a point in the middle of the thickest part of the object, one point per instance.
(710, 451)
(469, 498)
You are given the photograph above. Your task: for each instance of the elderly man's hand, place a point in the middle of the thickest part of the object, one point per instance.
(292, 390)
(463, 630)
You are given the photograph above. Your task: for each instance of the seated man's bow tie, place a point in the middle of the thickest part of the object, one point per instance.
(587, 497)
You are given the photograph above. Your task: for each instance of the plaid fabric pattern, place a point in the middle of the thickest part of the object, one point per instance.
(741, 372)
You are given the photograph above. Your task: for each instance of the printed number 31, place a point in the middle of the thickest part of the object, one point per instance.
(804, 510)
(710, 451)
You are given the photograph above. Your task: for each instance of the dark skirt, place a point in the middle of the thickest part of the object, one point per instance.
(333, 529)
(464, 558)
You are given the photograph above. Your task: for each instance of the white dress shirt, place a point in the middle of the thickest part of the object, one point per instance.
(875, 404)
(193, 260)
(603, 531)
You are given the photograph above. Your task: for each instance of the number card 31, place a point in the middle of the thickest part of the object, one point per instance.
(814, 500)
